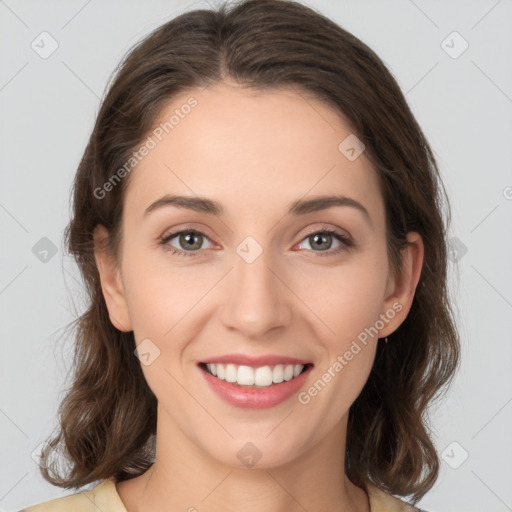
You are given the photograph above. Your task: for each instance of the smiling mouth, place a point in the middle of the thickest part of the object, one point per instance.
(258, 377)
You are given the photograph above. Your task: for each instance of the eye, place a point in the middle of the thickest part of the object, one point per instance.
(323, 239)
(190, 239)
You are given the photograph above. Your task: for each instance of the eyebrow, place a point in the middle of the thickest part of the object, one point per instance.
(298, 207)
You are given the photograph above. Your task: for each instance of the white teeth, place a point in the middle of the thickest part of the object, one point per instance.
(277, 374)
(262, 376)
(230, 374)
(297, 369)
(245, 376)
(288, 372)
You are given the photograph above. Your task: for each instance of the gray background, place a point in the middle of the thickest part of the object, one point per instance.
(463, 103)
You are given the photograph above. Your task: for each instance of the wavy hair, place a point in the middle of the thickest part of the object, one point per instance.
(107, 419)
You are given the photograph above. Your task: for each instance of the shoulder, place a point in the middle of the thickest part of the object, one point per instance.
(380, 501)
(102, 497)
(105, 498)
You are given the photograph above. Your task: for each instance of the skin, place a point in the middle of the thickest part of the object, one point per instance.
(255, 153)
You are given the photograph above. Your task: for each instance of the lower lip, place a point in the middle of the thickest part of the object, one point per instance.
(255, 398)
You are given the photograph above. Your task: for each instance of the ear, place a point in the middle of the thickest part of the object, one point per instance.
(111, 283)
(400, 291)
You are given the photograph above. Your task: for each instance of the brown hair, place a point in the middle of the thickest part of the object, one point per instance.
(108, 416)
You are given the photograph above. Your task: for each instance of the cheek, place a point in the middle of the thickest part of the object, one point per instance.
(159, 295)
(162, 302)
(347, 298)
(348, 301)
(349, 304)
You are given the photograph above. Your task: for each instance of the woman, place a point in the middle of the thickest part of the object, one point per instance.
(258, 218)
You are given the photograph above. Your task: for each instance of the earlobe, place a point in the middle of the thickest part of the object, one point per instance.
(111, 283)
(404, 286)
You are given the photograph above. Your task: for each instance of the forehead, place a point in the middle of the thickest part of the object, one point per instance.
(253, 151)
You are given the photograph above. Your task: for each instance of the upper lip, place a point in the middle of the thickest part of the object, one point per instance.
(255, 361)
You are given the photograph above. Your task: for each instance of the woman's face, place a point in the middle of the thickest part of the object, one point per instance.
(255, 279)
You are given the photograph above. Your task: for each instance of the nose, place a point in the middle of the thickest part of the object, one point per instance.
(257, 298)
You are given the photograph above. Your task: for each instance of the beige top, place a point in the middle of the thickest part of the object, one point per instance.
(104, 497)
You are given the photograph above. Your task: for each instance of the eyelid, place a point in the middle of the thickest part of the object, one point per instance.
(187, 228)
(330, 229)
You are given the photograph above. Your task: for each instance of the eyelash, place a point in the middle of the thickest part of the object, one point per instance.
(345, 242)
